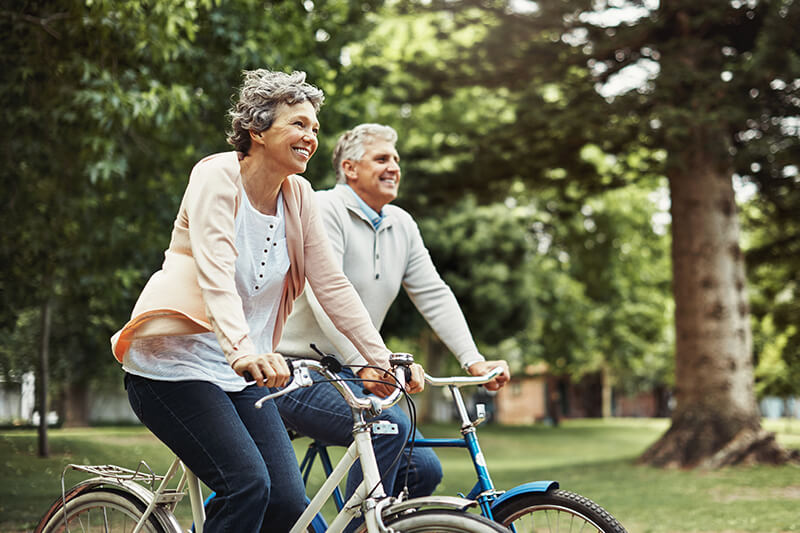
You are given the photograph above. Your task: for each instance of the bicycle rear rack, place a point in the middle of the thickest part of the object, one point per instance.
(118, 473)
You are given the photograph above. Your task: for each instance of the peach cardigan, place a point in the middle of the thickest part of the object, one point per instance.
(195, 291)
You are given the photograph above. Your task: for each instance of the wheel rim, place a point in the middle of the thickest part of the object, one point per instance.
(550, 518)
(100, 518)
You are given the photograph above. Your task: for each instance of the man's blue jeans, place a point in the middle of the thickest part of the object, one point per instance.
(240, 452)
(321, 413)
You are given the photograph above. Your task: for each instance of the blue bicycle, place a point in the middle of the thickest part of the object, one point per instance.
(538, 506)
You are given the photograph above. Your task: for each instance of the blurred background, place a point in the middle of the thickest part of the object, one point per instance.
(569, 161)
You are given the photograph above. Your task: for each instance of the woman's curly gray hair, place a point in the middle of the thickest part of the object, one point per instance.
(261, 93)
(351, 144)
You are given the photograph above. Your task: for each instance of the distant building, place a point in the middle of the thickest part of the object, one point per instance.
(535, 395)
(17, 400)
(524, 399)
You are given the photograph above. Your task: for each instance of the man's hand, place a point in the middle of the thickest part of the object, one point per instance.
(417, 382)
(382, 385)
(267, 369)
(484, 367)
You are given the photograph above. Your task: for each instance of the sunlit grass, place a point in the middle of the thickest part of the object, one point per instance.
(595, 458)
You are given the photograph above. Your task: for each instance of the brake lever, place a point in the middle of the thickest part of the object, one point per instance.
(301, 378)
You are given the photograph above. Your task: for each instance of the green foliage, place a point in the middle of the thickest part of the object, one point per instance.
(582, 290)
(774, 377)
(771, 247)
(535, 93)
(106, 106)
(484, 251)
(512, 144)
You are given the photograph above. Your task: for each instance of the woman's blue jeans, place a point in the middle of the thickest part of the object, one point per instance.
(240, 452)
(321, 413)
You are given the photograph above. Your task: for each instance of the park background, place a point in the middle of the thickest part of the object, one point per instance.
(611, 188)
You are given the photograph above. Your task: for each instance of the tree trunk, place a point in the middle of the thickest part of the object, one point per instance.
(44, 356)
(716, 421)
(607, 389)
(75, 405)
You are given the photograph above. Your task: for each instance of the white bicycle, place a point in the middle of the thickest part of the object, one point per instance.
(120, 500)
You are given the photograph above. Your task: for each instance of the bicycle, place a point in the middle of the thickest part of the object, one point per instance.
(535, 506)
(117, 499)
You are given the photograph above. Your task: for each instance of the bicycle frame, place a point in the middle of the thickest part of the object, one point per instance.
(369, 497)
(484, 491)
(192, 484)
(361, 448)
(158, 503)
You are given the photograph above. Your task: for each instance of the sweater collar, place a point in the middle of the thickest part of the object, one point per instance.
(373, 216)
(354, 203)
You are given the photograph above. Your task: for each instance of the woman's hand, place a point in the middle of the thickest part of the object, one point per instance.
(268, 369)
(380, 384)
(484, 367)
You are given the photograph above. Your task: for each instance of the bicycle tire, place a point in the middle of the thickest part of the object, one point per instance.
(443, 521)
(102, 510)
(555, 510)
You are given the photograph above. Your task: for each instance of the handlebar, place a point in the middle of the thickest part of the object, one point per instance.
(301, 378)
(461, 381)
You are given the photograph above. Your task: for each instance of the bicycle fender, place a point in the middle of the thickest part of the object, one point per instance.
(525, 488)
(130, 487)
(430, 502)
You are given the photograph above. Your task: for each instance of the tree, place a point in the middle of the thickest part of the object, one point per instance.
(720, 88)
(107, 104)
(451, 149)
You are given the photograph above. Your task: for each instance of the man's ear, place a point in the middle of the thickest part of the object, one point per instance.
(349, 168)
(255, 136)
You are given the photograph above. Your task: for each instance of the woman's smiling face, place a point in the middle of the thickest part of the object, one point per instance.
(291, 140)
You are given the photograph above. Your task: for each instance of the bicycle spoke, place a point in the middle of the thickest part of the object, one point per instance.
(107, 512)
(551, 520)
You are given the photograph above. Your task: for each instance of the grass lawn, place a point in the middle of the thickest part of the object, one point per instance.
(592, 457)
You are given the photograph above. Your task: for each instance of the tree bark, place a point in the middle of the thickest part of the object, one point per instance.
(44, 356)
(606, 394)
(716, 421)
(75, 405)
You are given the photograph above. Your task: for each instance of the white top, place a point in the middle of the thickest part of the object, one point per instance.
(261, 268)
(378, 262)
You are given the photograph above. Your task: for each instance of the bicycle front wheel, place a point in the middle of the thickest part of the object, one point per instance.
(555, 510)
(100, 510)
(443, 521)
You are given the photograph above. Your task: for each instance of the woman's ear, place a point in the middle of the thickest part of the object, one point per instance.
(256, 137)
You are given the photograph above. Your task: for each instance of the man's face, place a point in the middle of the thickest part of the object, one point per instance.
(376, 177)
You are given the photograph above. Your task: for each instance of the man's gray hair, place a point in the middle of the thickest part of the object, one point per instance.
(351, 144)
(261, 93)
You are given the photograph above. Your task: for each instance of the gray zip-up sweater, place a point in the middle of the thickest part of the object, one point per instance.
(377, 263)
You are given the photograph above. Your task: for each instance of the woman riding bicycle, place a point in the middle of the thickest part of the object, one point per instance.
(246, 237)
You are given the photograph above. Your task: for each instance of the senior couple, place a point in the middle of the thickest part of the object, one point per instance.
(259, 266)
